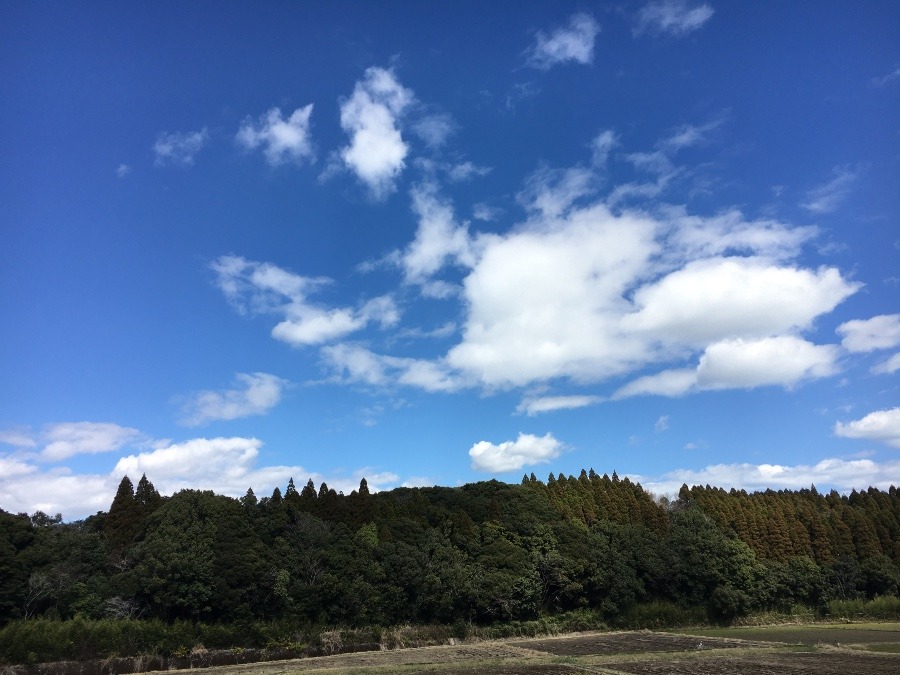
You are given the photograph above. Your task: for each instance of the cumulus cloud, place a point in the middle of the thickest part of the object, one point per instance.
(67, 439)
(526, 450)
(672, 17)
(867, 335)
(534, 405)
(574, 42)
(881, 425)
(371, 117)
(179, 148)
(282, 140)
(256, 394)
(832, 473)
(257, 287)
(827, 197)
(716, 298)
(742, 364)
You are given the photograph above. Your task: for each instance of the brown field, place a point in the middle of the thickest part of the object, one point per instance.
(790, 650)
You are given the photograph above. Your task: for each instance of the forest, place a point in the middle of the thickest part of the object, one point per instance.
(482, 554)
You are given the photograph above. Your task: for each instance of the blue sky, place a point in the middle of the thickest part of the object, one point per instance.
(434, 243)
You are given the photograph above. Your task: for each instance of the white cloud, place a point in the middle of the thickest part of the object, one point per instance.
(839, 474)
(27, 489)
(575, 42)
(826, 198)
(67, 439)
(602, 146)
(674, 17)
(439, 239)
(355, 364)
(256, 394)
(717, 298)
(123, 170)
(540, 404)
(256, 287)
(434, 129)
(881, 425)
(728, 233)
(674, 382)
(742, 364)
(485, 212)
(889, 366)
(179, 148)
(526, 450)
(282, 140)
(370, 116)
(227, 466)
(688, 135)
(783, 360)
(662, 424)
(464, 171)
(19, 438)
(867, 335)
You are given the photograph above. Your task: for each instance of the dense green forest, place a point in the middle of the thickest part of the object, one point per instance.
(482, 553)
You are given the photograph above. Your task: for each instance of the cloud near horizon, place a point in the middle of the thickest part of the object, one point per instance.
(526, 450)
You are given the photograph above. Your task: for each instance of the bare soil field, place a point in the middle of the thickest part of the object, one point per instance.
(832, 634)
(787, 663)
(862, 649)
(634, 642)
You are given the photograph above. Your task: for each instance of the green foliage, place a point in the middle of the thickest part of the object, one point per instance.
(488, 558)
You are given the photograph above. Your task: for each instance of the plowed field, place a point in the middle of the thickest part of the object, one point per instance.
(819, 650)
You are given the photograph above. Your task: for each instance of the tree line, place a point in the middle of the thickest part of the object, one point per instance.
(481, 553)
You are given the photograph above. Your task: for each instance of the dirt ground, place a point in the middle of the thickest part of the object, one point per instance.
(818, 650)
(819, 663)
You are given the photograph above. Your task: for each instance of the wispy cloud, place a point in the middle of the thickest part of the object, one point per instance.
(885, 79)
(827, 197)
(534, 405)
(672, 17)
(282, 139)
(574, 42)
(255, 394)
(179, 148)
(123, 170)
(256, 287)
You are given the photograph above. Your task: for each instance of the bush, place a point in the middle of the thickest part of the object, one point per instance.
(661, 614)
(881, 607)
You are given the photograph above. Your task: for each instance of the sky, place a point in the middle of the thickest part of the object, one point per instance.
(437, 243)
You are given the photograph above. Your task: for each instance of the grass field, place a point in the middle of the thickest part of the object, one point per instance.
(862, 649)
